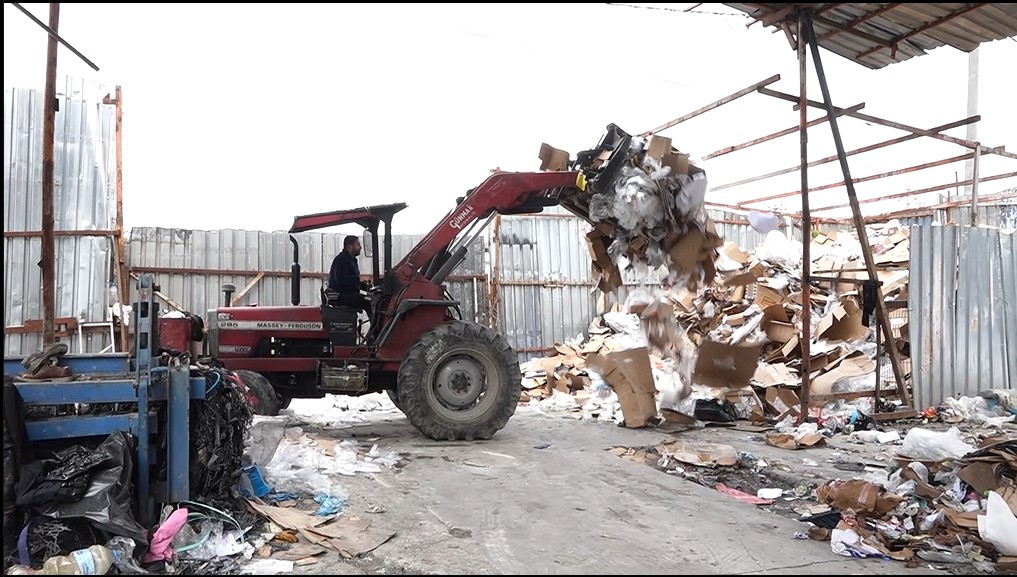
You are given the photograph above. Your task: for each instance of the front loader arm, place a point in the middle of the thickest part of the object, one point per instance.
(502, 192)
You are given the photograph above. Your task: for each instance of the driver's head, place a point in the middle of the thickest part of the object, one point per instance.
(351, 244)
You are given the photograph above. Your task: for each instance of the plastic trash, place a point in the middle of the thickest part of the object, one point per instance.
(96, 560)
(999, 525)
(848, 543)
(926, 445)
(763, 222)
(252, 483)
(329, 505)
(267, 567)
(160, 548)
(778, 250)
(213, 542)
(770, 493)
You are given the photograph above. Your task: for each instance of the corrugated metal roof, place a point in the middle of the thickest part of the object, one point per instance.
(878, 34)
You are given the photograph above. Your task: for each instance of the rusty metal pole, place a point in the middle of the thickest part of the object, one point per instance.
(803, 130)
(856, 211)
(974, 185)
(494, 304)
(49, 107)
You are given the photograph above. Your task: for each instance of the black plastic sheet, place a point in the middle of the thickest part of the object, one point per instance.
(107, 502)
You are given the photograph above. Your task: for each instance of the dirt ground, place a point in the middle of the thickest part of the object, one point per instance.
(546, 496)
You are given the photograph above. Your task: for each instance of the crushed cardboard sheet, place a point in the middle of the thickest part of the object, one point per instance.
(347, 535)
(790, 441)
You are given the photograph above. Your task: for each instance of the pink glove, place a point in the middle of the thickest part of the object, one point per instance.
(160, 549)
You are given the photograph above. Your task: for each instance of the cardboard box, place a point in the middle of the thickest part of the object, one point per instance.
(784, 401)
(679, 163)
(854, 365)
(685, 251)
(767, 297)
(774, 374)
(657, 147)
(552, 159)
(723, 365)
(630, 375)
(606, 274)
(748, 398)
(844, 323)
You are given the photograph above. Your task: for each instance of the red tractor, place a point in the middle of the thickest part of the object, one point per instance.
(453, 379)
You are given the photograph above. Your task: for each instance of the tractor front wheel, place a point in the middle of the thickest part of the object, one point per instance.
(264, 399)
(460, 381)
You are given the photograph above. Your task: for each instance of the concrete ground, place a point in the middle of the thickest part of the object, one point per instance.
(505, 506)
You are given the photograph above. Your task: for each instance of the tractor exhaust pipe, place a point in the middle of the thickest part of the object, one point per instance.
(227, 294)
(295, 274)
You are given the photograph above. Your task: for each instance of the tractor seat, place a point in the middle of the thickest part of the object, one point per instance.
(329, 297)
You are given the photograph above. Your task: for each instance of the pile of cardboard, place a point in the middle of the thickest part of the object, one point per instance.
(756, 305)
(744, 329)
(624, 364)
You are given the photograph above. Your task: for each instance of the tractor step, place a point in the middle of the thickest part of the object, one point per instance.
(347, 379)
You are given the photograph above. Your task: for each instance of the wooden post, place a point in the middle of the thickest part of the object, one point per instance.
(120, 255)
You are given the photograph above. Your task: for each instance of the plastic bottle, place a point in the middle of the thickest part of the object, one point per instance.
(96, 560)
(123, 556)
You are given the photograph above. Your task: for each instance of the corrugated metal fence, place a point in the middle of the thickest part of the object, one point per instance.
(545, 282)
(84, 210)
(963, 311)
(1001, 215)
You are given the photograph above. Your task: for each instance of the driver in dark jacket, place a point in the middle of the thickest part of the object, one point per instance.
(344, 277)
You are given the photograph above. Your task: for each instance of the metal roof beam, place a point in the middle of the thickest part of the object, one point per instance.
(1000, 150)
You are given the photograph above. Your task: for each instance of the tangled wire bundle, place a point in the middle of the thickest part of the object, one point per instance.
(219, 427)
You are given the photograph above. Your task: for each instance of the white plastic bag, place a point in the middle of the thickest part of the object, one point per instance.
(926, 445)
(763, 222)
(999, 526)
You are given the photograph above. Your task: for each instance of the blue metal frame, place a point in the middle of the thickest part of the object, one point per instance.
(120, 378)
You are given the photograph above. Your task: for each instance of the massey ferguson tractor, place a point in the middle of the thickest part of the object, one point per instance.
(454, 380)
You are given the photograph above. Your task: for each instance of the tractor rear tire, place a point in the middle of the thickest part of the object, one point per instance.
(460, 381)
(265, 400)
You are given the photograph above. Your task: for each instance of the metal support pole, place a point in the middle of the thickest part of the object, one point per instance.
(178, 408)
(494, 304)
(803, 132)
(856, 210)
(49, 107)
(143, 361)
(976, 161)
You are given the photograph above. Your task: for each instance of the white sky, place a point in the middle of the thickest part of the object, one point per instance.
(245, 117)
